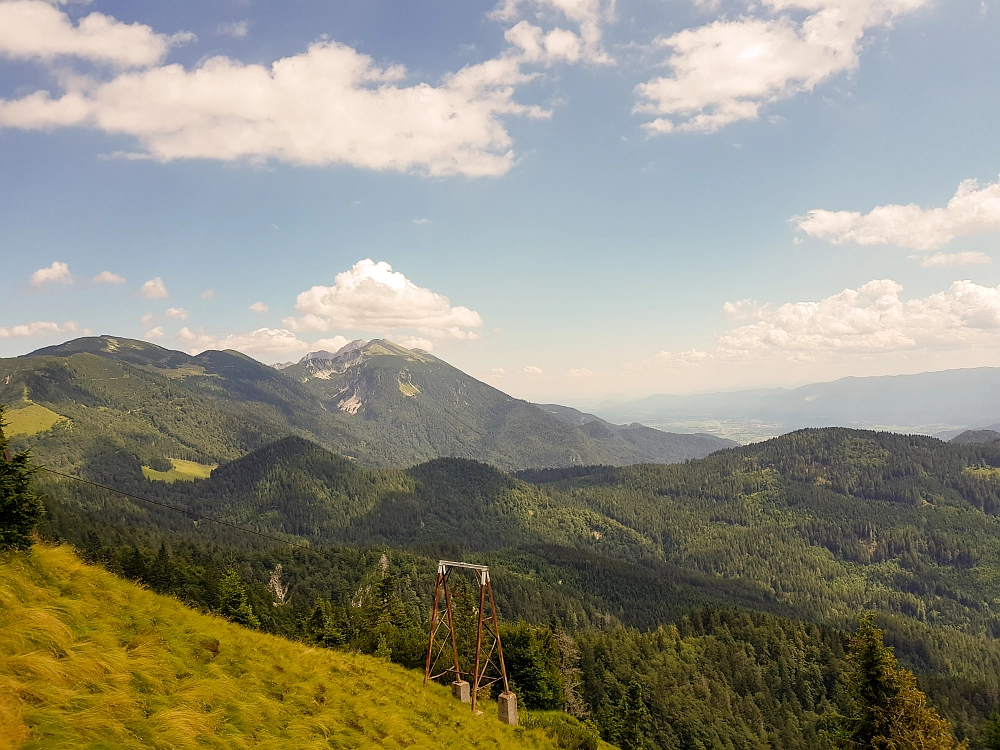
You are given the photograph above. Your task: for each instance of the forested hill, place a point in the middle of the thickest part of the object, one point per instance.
(812, 528)
(817, 524)
(380, 405)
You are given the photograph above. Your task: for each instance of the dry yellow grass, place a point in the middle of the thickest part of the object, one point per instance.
(30, 420)
(90, 661)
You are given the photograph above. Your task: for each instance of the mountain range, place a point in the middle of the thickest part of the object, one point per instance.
(374, 402)
(943, 404)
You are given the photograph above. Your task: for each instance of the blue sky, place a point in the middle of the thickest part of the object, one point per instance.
(576, 199)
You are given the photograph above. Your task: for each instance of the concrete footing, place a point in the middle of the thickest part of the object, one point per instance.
(460, 689)
(507, 705)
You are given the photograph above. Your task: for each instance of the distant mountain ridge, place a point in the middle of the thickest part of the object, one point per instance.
(375, 402)
(936, 403)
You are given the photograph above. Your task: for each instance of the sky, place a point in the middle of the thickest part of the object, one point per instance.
(572, 200)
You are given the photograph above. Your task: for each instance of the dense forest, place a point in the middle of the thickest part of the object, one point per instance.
(710, 601)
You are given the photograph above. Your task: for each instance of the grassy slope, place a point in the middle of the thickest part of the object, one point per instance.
(182, 471)
(88, 660)
(30, 420)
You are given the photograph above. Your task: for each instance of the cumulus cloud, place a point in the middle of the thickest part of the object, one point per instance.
(154, 333)
(973, 209)
(106, 277)
(581, 372)
(373, 297)
(155, 289)
(871, 318)
(968, 258)
(328, 105)
(57, 272)
(728, 70)
(532, 370)
(38, 328)
(589, 16)
(208, 294)
(264, 343)
(36, 30)
(177, 313)
(333, 345)
(259, 307)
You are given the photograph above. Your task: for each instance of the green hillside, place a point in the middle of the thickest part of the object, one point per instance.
(385, 406)
(88, 660)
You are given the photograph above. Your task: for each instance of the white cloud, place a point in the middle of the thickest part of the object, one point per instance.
(208, 294)
(35, 30)
(547, 48)
(264, 343)
(155, 289)
(235, 29)
(972, 210)
(415, 342)
(177, 313)
(967, 258)
(373, 297)
(329, 105)
(727, 70)
(689, 357)
(154, 333)
(333, 345)
(532, 370)
(421, 221)
(871, 318)
(559, 44)
(147, 317)
(57, 272)
(106, 277)
(38, 328)
(259, 307)
(581, 372)
(498, 372)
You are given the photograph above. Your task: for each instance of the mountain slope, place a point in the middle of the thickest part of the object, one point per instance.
(87, 660)
(377, 403)
(435, 410)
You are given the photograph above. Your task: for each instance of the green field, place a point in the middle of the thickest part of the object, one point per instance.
(88, 660)
(30, 420)
(183, 471)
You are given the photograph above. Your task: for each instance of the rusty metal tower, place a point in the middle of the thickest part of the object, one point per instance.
(486, 624)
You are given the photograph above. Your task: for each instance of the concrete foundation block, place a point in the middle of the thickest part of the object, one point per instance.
(507, 705)
(461, 690)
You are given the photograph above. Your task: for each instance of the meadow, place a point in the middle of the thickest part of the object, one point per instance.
(88, 660)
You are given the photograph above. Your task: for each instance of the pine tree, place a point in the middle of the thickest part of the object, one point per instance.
(233, 602)
(20, 508)
(991, 732)
(891, 713)
(631, 722)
